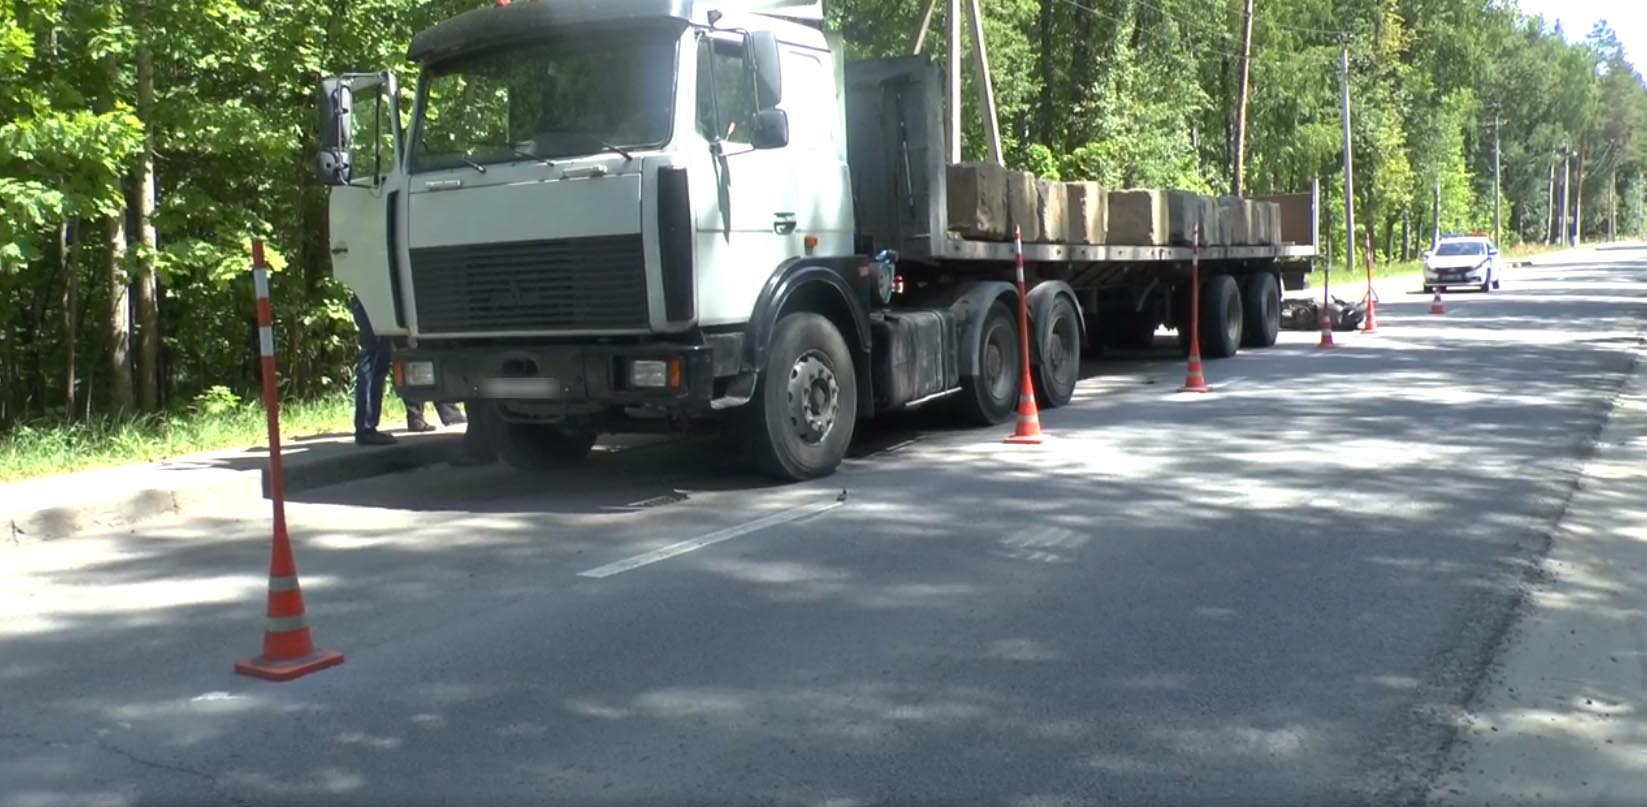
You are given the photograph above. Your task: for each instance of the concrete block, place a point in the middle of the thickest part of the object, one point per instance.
(1086, 209)
(1231, 220)
(1211, 230)
(1294, 223)
(977, 201)
(1183, 213)
(1272, 222)
(1022, 204)
(1137, 218)
(1051, 211)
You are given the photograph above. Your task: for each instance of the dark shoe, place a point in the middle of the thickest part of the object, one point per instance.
(374, 438)
(416, 423)
(455, 420)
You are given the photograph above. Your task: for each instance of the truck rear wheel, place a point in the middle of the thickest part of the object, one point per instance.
(990, 396)
(805, 407)
(1221, 318)
(1262, 311)
(542, 446)
(1058, 334)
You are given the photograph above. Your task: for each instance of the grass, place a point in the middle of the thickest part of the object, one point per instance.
(216, 421)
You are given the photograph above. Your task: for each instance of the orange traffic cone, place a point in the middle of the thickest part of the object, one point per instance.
(1028, 431)
(1195, 380)
(1371, 325)
(1435, 305)
(1326, 330)
(288, 649)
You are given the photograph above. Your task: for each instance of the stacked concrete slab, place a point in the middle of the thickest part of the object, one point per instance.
(986, 201)
(1086, 212)
(1051, 213)
(1138, 218)
(978, 201)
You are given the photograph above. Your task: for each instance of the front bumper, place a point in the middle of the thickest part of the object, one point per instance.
(571, 375)
(1442, 277)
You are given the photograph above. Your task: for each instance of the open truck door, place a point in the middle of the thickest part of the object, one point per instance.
(361, 145)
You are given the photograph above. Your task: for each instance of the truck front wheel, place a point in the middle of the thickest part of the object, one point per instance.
(805, 407)
(542, 446)
(991, 395)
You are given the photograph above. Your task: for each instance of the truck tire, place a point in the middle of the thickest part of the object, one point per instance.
(991, 396)
(1058, 334)
(1221, 319)
(800, 420)
(541, 446)
(1261, 317)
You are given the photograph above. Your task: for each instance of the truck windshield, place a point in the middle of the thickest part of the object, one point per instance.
(547, 100)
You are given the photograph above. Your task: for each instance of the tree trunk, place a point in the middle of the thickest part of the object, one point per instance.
(120, 356)
(1046, 121)
(148, 311)
(68, 242)
(1082, 77)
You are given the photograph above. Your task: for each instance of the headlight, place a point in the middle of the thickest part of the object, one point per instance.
(648, 373)
(420, 374)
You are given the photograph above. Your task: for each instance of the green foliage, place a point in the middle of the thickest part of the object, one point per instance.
(1124, 92)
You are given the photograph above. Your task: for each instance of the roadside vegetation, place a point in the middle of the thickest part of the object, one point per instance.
(217, 420)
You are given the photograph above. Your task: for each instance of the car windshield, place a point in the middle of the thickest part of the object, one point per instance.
(561, 98)
(1461, 248)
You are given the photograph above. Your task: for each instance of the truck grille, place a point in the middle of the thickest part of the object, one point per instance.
(567, 284)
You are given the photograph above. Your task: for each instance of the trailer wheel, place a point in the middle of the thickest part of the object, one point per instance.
(1059, 337)
(990, 397)
(1221, 317)
(542, 446)
(1261, 317)
(805, 407)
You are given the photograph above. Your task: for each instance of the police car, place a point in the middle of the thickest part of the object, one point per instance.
(1462, 260)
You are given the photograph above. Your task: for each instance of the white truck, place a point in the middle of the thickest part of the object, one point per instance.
(617, 216)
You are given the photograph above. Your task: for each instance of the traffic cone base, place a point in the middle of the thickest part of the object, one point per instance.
(1028, 432)
(1195, 379)
(1326, 334)
(1436, 307)
(287, 669)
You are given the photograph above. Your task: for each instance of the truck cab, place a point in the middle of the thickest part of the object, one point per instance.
(588, 203)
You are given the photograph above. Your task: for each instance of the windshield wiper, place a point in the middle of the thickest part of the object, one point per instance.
(464, 158)
(604, 144)
(537, 158)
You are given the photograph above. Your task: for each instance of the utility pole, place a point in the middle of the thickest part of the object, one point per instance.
(986, 85)
(1549, 206)
(1497, 234)
(1435, 231)
(1566, 179)
(954, 81)
(1349, 163)
(1578, 199)
(1241, 106)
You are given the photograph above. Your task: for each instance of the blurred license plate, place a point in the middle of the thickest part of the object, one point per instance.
(521, 387)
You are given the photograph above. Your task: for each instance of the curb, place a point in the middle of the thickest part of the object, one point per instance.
(130, 508)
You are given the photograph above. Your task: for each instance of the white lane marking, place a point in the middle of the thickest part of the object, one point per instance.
(683, 547)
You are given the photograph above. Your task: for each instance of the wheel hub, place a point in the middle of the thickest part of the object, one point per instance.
(814, 398)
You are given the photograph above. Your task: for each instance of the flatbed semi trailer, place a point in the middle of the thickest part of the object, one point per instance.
(642, 215)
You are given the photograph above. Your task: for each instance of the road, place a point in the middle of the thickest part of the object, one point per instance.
(1280, 593)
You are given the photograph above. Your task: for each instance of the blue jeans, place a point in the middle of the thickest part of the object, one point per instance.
(371, 371)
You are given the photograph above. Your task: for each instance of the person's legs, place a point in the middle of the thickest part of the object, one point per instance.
(371, 371)
(415, 421)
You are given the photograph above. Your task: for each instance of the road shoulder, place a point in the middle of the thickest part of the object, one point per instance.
(1563, 716)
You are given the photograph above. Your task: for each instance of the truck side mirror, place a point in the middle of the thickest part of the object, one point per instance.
(762, 47)
(769, 129)
(335, 102)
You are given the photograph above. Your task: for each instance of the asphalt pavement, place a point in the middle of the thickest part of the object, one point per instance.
(1285, 592)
